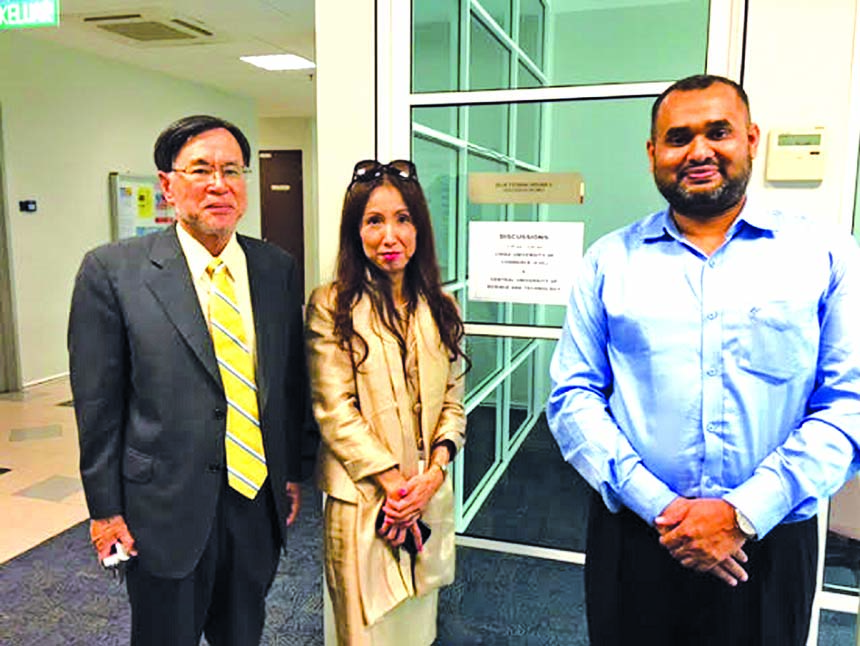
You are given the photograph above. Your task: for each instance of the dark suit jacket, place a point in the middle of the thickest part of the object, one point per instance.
(148, 396)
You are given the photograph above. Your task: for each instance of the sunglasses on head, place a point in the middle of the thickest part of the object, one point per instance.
(370, 170)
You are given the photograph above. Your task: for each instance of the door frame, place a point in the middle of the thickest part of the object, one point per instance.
(725, 56)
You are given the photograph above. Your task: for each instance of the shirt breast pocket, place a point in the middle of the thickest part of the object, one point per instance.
(778, 340)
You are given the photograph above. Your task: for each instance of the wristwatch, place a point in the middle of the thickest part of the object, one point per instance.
(745, 525)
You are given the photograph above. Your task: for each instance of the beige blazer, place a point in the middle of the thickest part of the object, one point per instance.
(359, 414)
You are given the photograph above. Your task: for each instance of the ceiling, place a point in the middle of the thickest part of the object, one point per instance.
(237, 28)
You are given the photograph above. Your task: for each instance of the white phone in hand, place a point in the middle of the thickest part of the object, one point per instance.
(118, 555)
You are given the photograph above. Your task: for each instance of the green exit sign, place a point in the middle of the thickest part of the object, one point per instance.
(22, 14)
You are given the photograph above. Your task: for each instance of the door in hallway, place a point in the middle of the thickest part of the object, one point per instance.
(282, 204)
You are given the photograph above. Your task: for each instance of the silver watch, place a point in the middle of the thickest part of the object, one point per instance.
(745, 525)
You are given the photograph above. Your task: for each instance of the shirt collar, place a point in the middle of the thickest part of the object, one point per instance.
(660, 225)
(198, 256)
(756, 216)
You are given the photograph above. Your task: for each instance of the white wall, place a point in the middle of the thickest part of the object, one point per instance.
(298, 134)
(798, 73)
(69, 119)
(345, 123)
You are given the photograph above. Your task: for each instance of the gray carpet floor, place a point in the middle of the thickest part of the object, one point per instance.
(56, 594)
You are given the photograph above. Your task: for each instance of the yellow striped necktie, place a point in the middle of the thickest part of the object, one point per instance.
(246, 460)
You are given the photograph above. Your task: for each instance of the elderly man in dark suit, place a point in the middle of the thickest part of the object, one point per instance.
(190, 388)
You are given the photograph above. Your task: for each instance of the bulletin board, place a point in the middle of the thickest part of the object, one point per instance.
(137, 205)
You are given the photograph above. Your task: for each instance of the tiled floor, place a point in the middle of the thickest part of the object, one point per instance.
(40, 495)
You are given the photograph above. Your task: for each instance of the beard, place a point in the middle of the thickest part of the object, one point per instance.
(706, 203)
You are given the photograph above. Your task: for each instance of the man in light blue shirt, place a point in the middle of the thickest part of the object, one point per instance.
(707, 385)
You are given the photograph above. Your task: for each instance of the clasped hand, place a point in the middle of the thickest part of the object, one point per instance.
(105, 532)
(404, 505)
(701, 534)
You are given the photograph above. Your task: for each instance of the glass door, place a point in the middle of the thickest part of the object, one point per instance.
(529, 86)
(532, 86)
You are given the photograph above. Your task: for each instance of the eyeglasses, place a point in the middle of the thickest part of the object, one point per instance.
(370, 169)
(206, 172)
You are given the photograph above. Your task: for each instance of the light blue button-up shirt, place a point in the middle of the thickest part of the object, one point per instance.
(734, 376)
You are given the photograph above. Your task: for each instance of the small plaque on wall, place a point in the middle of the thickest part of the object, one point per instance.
(526, 188)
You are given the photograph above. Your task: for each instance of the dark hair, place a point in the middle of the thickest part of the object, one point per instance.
(357, 275)
(696, 82)
(177, 134)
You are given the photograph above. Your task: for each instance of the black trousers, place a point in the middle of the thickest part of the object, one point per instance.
(636, 593)
(224, 597)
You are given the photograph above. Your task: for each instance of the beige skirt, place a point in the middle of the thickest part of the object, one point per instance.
(411, 622)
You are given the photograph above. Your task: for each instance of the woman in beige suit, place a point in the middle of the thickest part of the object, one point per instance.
(386, 365)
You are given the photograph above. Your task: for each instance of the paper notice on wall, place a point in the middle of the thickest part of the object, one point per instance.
(145, 202)
(137, 205)
(523, 262)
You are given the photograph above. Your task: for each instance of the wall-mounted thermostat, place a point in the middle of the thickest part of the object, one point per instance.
(795, 155)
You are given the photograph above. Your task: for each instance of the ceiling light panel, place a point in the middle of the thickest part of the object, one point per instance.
(279, 62)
